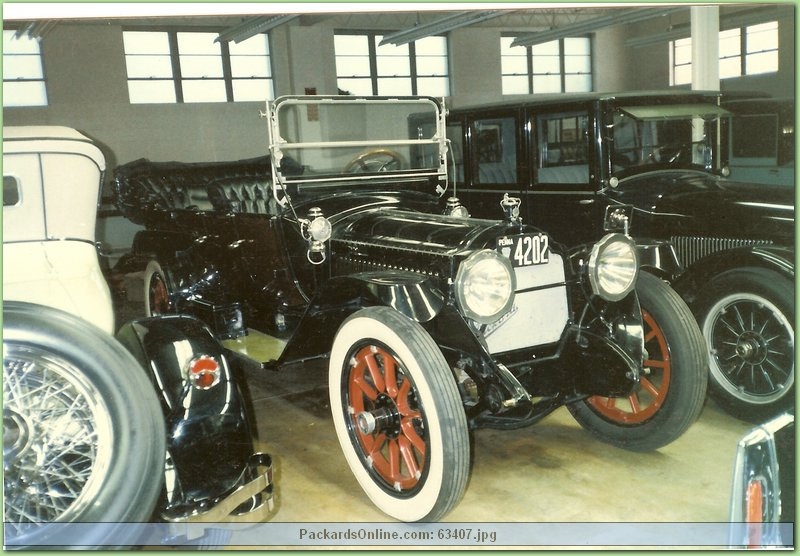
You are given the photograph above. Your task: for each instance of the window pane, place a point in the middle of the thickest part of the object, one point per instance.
(24, 93)
(547, 49)
(250, 66)
(149, 66)
(433, 86)
(358, 87)
(763, 62)
(352, 66)
(546, 83)
(10, 191)
(22, 45)
(198, 43)
(145, 42)
(515, 85)
(577, 64)
(577, 83)
(351, 44)
(431, 66)
(514, 64)
(762, 37)
(730, 43)
(730, 67)
(204, 91)
(683, 75)
(431, 46)
(201, 66)
(394, 65)
(149, 92)
(254, 46)
(394, 86)
(22, 66)
(245, 90)
(577, 46)
(546, 64)
(683, 51)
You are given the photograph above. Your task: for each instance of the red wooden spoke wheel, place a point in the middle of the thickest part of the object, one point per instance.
(387, 419)
(645, 401)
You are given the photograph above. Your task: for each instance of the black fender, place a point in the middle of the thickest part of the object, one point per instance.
(210, 433)
(659, 258)
(410, 294)
(779, 259)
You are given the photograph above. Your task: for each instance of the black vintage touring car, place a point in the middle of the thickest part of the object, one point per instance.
(654, 163)
(344, 243)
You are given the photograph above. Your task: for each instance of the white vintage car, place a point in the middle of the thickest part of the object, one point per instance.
(76, 447)
(115, 431)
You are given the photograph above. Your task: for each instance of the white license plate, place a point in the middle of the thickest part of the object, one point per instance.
(525, 249)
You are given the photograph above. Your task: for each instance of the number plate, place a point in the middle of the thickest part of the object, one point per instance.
(525, 249)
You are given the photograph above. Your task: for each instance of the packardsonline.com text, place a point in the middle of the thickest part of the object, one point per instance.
(456, 535)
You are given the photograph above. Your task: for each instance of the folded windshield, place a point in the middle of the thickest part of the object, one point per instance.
(667, 135)
(326, 141)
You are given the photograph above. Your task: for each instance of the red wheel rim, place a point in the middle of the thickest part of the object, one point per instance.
(644, 402)
(158, 295)
(386, 418)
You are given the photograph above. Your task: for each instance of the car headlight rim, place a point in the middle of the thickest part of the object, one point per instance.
(613, 267)
(484, 286)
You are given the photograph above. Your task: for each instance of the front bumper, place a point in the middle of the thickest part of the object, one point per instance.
(227, 509)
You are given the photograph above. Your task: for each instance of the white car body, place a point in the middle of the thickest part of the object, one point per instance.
(51, 185)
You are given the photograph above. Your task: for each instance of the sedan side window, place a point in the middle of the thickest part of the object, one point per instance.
(10, 191)
(496, 150)
(563, 148)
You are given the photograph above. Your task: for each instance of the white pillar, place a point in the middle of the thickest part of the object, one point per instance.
(705, 47)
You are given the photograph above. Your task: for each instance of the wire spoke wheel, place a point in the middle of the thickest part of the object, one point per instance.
(752, 346)
(57, 437)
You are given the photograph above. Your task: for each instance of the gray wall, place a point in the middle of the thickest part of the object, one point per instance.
(85, 67)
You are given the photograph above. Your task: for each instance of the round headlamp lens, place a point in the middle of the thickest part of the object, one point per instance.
(485, 286)
(613, 267)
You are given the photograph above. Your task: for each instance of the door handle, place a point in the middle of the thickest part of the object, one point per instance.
(586, 202)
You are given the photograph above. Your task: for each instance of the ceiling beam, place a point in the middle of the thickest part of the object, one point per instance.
(617, 17)
(442, 25)
(253, 26)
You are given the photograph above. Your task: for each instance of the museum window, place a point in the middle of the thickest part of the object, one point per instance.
(559, 66)
(189, 67)
(23, 71)
(748, 50)
(364, 67)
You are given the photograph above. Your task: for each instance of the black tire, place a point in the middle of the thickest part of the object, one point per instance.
(419, 416)
(673, 384)
(157, 290)
(75, 398)
(747, 318)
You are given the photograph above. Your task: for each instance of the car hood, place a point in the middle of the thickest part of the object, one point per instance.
(708, 203)
(397, 228)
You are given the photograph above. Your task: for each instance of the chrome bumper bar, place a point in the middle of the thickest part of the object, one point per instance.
(260, 489)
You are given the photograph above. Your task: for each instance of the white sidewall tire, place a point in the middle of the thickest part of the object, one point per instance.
(420, 505)
(153, 268)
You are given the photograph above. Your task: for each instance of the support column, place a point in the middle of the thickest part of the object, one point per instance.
(705, 47)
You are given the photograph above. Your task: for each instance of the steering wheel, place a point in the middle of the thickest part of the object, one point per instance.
(376, 160)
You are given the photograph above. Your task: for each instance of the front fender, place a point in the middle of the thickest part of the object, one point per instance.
(408, 293)
(209, 433)
(776, 258)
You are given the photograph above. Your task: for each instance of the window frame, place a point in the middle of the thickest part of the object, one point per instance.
(562, 73)
(177, 77)
(743, 54)
(374, 77)
(26, 79)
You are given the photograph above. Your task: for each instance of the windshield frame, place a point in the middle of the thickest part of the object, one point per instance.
(285, 180)
(700, 150)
